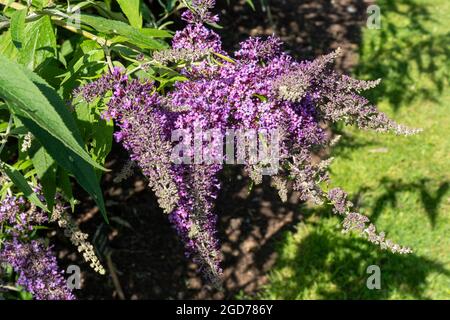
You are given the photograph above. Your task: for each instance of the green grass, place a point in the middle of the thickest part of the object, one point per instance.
(401, 183)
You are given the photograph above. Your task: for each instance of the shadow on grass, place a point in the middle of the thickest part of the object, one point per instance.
(411, 58)
(333, 266)
(348, 142)
(430, 199)
(317, 262)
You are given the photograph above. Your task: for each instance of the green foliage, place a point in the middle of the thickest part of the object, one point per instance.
(21, 183)
(127, 33)
(45, 167)
(132, 10)
(18, 27)
(96, 132)
(43, 112)
(39, 44)
(47, 49)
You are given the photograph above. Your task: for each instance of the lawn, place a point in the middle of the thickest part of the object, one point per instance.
(401, 183)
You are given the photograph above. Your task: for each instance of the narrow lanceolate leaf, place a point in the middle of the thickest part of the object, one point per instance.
(226, 58)
(21, 183)
(63, 182)
(45, 167)
(132, 10)
(7, 47)
(18, 27)
(39, 43)
(69, 160)
(43, 112)
(40, 4)
(97, 132)
(251, 4)
(155, 33)
(31, 97)
(114, 27)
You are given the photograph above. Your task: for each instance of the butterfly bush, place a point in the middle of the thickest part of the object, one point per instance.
(259, 87)
(32, 260)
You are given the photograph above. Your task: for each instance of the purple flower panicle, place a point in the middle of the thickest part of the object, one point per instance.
(259, 88)
(34, 262)
(37, 268)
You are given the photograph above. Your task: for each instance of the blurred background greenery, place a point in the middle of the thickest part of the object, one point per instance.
(401, 183)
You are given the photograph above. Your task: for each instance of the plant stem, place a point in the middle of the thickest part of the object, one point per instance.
(10, 288)
(168, 14)
(86, 34)
(108, 58)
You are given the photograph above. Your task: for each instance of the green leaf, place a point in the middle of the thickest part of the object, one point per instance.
(70, 161)
(40, 4)
(132, 10)
(226, 58)
(7, 47)
(19, 130)
(170, 81)
(43, 112)
(155, 33)
(87, 62)
(97, 132)
(89, 57)
(46, 171)
(260, 97)
(251, 4)
(20, 182)
(39, 43)
(114, 27)
(18, 27)
(31, 97)
(64, 184)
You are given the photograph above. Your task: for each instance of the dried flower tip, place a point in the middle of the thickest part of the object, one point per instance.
(126, 172)
(335, 140)
(27, 140)
(78, 238)
(280, 184)
(358, 222)
(255, 172)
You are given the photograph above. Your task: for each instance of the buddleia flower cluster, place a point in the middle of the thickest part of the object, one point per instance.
(31, 259)
(258, 87)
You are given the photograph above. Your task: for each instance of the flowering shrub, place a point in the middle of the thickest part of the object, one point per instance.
(193, 87)
(260, 88)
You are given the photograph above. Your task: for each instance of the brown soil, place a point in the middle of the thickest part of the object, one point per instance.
(308, 27)
(147, 259)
